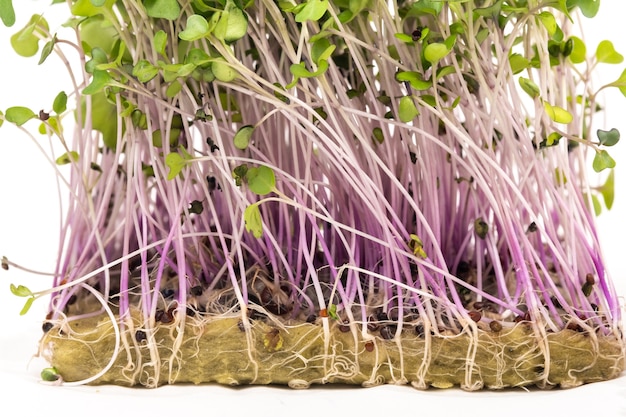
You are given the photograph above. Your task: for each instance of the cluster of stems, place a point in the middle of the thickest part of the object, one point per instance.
(421, 164)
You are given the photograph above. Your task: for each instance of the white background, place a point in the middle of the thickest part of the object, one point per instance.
(29, 221)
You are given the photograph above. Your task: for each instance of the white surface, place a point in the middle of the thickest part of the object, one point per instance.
(28, 217)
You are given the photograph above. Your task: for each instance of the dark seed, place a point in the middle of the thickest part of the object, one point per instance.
(266, 295)
(495, 326)
(47, 326)
(311, 318)
(555, 302)
(212, 145)
(167, 317)
(475, 316)
(575, 327)
(419, 330)
(594, 307)
(196, 291)
(369, 346)
(388, 332)
(167, 293)
(416, 35)
(344, 328)
(372, 323)
(158, 315)
(190, 312)
(140, 336)
(43, 116)
(256, 315)
(382, 316)
(590, 279)
(71, 300)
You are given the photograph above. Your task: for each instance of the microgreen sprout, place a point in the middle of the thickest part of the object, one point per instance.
(321, 191)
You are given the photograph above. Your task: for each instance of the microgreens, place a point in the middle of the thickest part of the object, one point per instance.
(329, 191)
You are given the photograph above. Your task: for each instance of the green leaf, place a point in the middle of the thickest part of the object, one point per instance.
(7, 13)
(377, 135)
(557, 114)
(489, 12)
(175, 163)
(98, 32)
(52, 124)
(26, 41)
(300, 71)
(252, 218)
(415, 79)
(50, 374)
(67, 158)
(27, 305)
(99, 81)
(98, 58)
(597, 207)
(332, 311)
(313, 10)
(432, 7)
(241, 140)
(173, 89)
(620, 83)
(261, 180)
(357, 6)
(429, 99)
(21, 291)
(232, 24)
(145, 71)
(607, 54)
(518, 63)
(19, 115)
(160, 42)
(164, 9)
(406, 109)
(608, 137)
(608, 190)
(196, 28)
(553, 138)
(417, 246)
(322, 49)
(549, 22)
(434, 52)
(447, 70)
(602, 161)
(104, 117)
(529, 87)
(403, 37)
(589, 8)
(60, 103)
(47, 50)
(198, 57)
(579, 50)
(89, 8)
(223, 71)
(157, 137)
